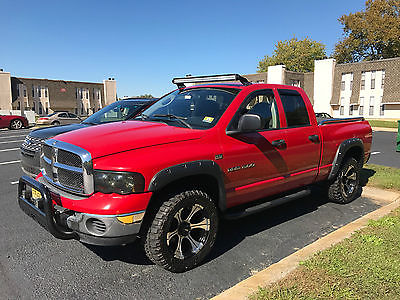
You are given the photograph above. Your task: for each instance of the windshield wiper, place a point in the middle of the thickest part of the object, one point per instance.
(175, 118)
(142, 116)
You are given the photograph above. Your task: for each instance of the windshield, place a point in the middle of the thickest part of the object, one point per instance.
(198, 108)
(52, 114)
(117, 111)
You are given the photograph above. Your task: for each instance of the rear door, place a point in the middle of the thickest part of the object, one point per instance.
(302, 139)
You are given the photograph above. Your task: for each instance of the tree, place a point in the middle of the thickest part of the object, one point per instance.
(371, 34)
(296, 55)
(146, 96)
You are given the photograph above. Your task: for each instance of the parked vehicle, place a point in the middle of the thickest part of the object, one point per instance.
(199, 154)
(117, 111)
(13, 122)
(59, 118)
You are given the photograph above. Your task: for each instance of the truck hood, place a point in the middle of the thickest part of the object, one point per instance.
(48, 132)
(122, 136)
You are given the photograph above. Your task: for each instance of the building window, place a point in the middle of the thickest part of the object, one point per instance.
(40, 108)
(46, 93)
(361, 107)
(343, 85)
(371, 105)
(350, 110)
(383, 79)
(24, 92)
(34, 106)
(341, 110)
(39, 91)
(382, 110)
(18, 105)
(373, 74)
(293, 83)
(362, 80)
(82, 111)
(351, 85)
(33, 91)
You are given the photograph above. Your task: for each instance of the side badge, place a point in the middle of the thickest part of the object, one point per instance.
(219, 156)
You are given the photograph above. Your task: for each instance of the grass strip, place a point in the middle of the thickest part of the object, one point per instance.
(364, 266)
(380, 177)
(382, 123)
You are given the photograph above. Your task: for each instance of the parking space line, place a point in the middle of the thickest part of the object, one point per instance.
(9, 162)
(14, 182)
(11, 141)
(11, 149)
(376, 152)
(11, 136)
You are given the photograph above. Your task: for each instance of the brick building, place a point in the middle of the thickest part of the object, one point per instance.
(44, 96)
(370, 89)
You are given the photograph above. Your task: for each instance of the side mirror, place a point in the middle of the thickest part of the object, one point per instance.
(249, 122)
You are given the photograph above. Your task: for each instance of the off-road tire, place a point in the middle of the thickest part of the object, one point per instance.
(16, 124)
(156, 239)
(338, 190)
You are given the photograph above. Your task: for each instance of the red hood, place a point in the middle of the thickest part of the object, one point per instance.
(116, 137)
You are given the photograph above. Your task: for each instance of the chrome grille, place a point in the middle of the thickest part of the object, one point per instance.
(32, 144)
(69, 159)
(67, 166)
(70, 179)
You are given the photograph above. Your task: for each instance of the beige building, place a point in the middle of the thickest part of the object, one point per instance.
(369, 89)
(44, 96)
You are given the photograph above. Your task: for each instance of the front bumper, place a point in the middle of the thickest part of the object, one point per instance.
(104, 230)
(30, 162)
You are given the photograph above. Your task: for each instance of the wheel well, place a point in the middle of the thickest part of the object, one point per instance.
(204, 182)
(355, 152)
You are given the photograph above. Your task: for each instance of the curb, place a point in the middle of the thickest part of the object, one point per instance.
(279, 270)
(384, 129)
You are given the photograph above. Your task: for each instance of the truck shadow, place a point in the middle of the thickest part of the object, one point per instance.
(230, 234)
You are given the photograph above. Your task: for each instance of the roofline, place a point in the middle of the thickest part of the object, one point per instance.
(369, 61)
(57, 80)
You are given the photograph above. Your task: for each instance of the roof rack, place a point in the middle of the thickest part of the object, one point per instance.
(180, 82)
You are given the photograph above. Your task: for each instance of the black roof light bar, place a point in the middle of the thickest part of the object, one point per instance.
(180, 82)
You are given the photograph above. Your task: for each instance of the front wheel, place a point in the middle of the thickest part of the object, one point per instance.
(345, 187)
(55, 123)
(16, 124)
(183, 231)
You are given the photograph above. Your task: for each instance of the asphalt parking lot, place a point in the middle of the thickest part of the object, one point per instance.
(33, 264)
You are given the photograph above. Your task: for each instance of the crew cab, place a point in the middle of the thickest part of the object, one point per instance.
(201, 153)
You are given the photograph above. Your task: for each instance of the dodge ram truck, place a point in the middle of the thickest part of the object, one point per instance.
(201, 153)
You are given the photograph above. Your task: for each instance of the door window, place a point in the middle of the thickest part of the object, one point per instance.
(263, 104)
(63, 115)
(294, 107)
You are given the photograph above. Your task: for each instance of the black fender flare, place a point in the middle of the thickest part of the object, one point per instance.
(341, 152)
(193, 168)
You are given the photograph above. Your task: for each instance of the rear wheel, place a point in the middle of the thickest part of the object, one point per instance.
(345, 187)
(183, 231)
(16, 124)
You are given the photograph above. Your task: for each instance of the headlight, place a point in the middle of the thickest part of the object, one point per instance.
(118, 182)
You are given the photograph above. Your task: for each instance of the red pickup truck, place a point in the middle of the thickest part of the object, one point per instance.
(199, 154)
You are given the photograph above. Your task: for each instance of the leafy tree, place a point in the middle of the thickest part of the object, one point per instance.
(371, 34)
(146, 96)
(296, 55)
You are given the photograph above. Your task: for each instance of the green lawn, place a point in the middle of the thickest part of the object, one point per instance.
(381, 123)
(365, 266)
(381, 177)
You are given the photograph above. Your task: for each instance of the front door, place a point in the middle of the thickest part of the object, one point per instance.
(254, 163)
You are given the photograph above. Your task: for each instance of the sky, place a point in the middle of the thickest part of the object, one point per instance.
(144, 44)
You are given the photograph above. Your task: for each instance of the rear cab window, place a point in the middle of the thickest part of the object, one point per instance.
(294, 108)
